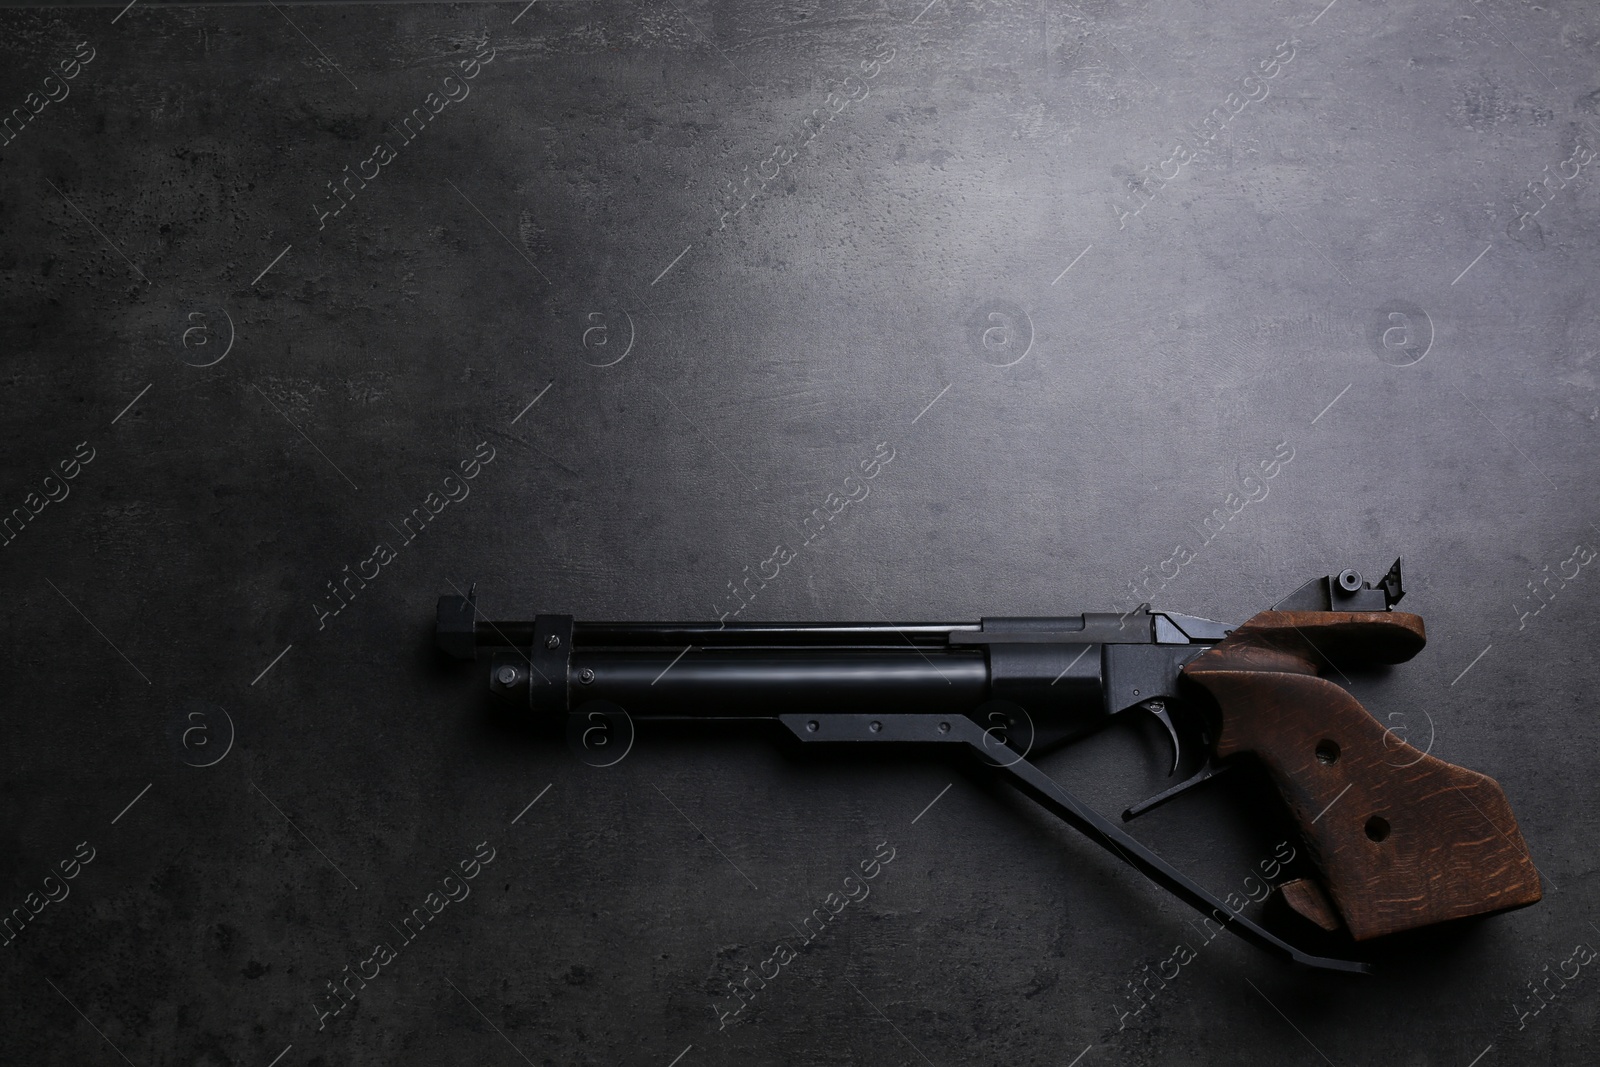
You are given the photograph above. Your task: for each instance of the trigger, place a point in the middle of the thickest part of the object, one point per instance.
(1158, 708)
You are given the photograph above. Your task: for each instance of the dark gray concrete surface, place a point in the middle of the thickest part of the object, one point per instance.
(720, 312)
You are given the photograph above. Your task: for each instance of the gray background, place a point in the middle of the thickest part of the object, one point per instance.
(1249, 294)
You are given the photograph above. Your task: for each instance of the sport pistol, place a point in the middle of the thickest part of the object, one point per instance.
(1399, 838)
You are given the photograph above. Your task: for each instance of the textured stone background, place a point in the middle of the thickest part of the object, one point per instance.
(704, 378)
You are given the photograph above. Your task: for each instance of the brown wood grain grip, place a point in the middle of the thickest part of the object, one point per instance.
(1402, 839)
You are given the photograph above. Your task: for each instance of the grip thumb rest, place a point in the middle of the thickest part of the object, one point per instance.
(1401, 839)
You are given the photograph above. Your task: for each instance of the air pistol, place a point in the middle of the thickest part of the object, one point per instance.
(1399, 839)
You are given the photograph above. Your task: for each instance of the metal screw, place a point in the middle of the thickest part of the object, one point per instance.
(552, 641)
(506, 675)
(586, 676)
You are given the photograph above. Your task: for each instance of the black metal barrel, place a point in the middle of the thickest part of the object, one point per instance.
(701, 681)
(760, 670)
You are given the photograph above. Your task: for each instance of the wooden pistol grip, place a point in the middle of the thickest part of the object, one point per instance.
(1402, 839)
